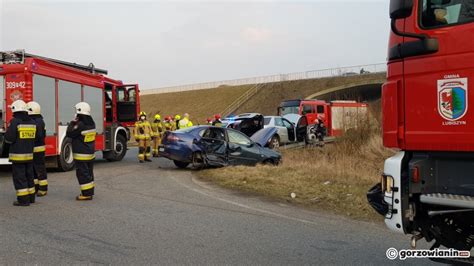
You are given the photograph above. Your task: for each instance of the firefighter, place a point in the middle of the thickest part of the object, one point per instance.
(157, 128)
(168, 123)
(185, 122)
(217, 121)
(143, 133)
(21, 135)
(177, 118)
(82, 132)
(209, 121)
(39, 167)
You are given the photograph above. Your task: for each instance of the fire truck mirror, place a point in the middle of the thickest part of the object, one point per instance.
(400, 8)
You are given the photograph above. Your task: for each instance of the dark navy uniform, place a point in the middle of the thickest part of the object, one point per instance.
(21, 135)
(82, 132)
(41, 178)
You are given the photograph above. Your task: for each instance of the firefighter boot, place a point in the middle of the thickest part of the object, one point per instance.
(41, 193)
(23, 204)
(82, 198)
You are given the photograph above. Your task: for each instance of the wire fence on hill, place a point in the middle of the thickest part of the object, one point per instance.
(313, 74)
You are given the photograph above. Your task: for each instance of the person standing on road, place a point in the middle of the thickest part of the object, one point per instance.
(177, 118)
(168, 123)
(39, 167)
(185, 122)
(21, 135)
(143, 133)
(82, 132)
(157, 129)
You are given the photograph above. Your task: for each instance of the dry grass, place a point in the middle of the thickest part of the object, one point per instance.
(334, 178)
(200, 104)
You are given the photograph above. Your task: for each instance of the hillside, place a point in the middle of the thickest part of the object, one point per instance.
(273, 93)
(201, 104)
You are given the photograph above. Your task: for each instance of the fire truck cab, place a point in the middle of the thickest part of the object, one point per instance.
(427, 189)
(337, 116)
(57, 86)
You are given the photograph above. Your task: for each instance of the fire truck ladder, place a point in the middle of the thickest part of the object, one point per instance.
(18, 56)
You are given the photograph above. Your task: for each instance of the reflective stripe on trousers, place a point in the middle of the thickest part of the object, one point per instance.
(39, 149)
(88, 186)
(20, 157)
(22, 192)
(83, 157)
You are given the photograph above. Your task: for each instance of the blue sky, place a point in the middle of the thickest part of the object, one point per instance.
(164, 43)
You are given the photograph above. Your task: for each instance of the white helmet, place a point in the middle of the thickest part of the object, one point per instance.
(83, 108)
(19, 106)
(33, 108)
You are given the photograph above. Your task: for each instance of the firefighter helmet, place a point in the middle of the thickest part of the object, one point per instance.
(177, 117)
(19, 106)
(157, 117)
(83, 108)
(33, 108)
(186, 115)
(217, 116)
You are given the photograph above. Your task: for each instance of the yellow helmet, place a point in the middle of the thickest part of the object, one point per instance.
(177, 117)
(142, 114)
(157, 117)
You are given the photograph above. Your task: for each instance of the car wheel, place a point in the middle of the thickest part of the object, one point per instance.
(274, 143)
(120, 150)
(198, 161)
(66, 159)
(269, 162)
(181, 165)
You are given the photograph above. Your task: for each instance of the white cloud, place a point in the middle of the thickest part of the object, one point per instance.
(256, 34)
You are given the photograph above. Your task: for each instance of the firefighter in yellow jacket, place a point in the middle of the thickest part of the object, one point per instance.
(168, 123)
(185, 122)
(142, 134)
(157, 129)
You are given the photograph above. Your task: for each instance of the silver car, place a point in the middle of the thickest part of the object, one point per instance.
(291, 129)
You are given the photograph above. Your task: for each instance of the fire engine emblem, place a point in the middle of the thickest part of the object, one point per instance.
(16, 95)
(452, 98)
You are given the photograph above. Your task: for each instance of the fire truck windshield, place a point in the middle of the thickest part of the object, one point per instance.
(437, 13)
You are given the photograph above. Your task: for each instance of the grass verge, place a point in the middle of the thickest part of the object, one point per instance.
(334, 178)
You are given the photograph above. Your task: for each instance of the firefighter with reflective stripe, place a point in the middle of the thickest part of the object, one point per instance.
(177, 118)
(168, 123)
(82, 132)
(21, 135)
(157, 129)
(39, 167)
(185, 122)
(143, 133)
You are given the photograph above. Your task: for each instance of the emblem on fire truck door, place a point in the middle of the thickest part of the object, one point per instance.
(452, 98)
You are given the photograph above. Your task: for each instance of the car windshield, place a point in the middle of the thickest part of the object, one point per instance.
(266, 121)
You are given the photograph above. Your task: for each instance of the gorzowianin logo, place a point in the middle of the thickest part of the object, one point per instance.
(403, 254)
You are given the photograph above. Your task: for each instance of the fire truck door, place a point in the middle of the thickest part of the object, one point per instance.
(127, 104)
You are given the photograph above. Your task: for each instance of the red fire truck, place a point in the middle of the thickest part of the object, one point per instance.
(427, 189)
(57, 86)
(338, 116)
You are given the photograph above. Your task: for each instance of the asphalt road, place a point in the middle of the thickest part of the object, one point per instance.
(155, 214)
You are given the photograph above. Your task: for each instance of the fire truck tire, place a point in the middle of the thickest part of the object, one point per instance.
(65, 160)
(120, 150)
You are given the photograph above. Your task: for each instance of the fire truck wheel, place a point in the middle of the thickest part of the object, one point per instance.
(120, 150)
(65, 160)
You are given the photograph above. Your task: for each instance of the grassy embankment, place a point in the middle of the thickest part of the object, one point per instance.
(334, 178)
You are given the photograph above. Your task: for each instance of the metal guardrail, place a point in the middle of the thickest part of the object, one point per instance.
(313, 74)
(241, 100)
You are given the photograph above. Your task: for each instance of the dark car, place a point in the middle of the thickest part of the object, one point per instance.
(248, 123)
(215, 146)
